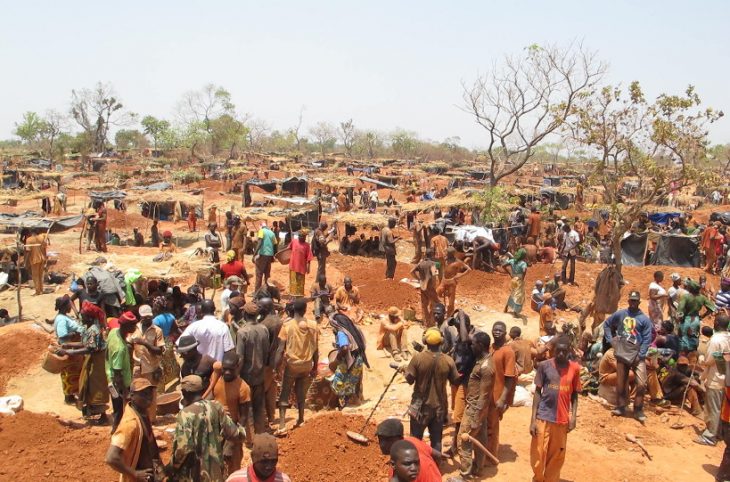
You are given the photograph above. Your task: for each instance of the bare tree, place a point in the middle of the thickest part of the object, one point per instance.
(295, 131)
(347, 135)
(97, 110)
(526, 99)
(54, 124)
(372, 142)
(205, 105)
(258, 129)
(325, 134)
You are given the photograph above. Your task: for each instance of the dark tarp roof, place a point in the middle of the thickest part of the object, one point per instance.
(724, 218)
(107, 195)
(671, 250)
(30, 219)
(633, 249)
(40, 163)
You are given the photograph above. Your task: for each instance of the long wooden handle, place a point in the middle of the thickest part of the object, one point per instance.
(466, 437)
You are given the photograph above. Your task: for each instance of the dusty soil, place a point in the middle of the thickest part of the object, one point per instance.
(321, 451)
(20, 350)
(36, 447)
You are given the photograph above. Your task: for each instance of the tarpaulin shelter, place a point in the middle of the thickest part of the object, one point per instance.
(40, 163)
(378, 184)
(296, 186)
(724, 218)
(555, 196)
(165, 204)
(105, 196)
(662, 218)
(34, 220)
(552, 181)
(671, 249)
(158, 186)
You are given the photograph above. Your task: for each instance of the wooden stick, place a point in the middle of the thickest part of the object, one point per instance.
(633, 439)
(465, 437)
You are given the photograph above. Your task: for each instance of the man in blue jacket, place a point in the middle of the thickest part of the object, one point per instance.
(630, 327)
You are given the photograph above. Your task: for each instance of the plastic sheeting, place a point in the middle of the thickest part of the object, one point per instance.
(35, 220)
(662, 218)
(724, 218)
(633, 249)
(677, 250)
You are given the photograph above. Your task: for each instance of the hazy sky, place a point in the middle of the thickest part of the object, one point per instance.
(385, 64)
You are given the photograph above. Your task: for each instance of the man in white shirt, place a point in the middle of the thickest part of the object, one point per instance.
(715, 381)
(569, 252)
(374, 200)
(213, 336)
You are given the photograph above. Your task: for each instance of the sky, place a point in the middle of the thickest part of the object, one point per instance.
(385, 64)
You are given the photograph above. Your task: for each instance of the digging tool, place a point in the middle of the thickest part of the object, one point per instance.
(633, 439)
(465, 437)
(358, 436)
(677, 425)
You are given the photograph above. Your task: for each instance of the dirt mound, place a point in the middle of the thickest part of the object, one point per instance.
(125, 220)
(376, 293)
(321, 451)
(36, 447)
(21, 349)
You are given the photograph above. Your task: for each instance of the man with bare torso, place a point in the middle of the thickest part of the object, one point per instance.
(453, 270)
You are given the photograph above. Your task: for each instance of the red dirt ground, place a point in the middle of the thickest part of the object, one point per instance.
(320, 451)
(36, 447)
(20, 350)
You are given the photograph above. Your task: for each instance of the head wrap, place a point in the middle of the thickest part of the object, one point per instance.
(433, 337)
(127, 318)
(676, 277)
(90, 310)
(159, 303)
(264, 447)
(167, 234)
(230, 255)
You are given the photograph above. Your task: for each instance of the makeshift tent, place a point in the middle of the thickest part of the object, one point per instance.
(296, 186)
(724, 218)
(158, 186)
(662, 218)
(677, 250)
(165, 204)
(671, 249)
(105, 196)
(40, 163)
(378, 184)
(551, 181)
(633, 249)
(554, 196)
(33, 220)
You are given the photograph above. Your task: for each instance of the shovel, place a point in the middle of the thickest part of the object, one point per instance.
(358, 436)
(677, 425)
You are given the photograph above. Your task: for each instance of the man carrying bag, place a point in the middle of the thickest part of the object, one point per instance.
(629, 332)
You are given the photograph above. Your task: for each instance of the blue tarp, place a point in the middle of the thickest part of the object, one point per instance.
(662, 218)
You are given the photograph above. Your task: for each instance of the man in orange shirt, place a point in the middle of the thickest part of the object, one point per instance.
(390, 431)
(235, 395)
(547, 314)
(710, 239)
(505, 377)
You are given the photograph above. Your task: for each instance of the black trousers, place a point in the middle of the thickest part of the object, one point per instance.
(435, 431)
(390, 264)
(571, 277)
(258, 408)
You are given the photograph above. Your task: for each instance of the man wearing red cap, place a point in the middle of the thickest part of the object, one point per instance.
(119, 364)
(133, 451)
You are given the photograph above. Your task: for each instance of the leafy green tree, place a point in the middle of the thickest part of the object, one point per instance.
(662, 144)
(403, 143)
(30, 128)
(493, 204)
(228, 133)
(155, 128)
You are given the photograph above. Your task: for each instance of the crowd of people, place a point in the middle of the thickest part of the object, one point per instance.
(240, 358)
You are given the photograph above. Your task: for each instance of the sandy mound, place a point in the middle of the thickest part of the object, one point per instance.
(21, 349)
(321, 451)
(36, 447)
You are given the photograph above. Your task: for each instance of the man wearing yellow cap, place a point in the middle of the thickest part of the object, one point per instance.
(428, 372)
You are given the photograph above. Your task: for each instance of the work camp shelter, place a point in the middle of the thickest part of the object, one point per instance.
(724, 217)
(463, 198)
(108, 195)
(671, 249)
(37, 221)
(378, 184)
(348, 223)
(11, 197)
(294, 185)
(290, 219)
(165, 205)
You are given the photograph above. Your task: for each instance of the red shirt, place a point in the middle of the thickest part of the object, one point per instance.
(301, 254)
(725, 410)
(557, 386)
(429, 471)
(234, 268)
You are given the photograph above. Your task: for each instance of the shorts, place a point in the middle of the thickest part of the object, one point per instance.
(297, 378)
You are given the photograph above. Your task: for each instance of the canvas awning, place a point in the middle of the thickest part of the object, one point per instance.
(33, 220)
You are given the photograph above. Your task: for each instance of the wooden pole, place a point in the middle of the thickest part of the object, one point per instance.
(20, 281)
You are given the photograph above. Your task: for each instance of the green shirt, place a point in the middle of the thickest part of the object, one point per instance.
(117, 357)
(267, 238)
(691, 305)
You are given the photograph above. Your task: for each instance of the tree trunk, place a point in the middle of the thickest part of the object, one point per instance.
(616, 236)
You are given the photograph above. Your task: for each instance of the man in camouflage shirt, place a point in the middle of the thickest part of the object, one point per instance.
(202, 426)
